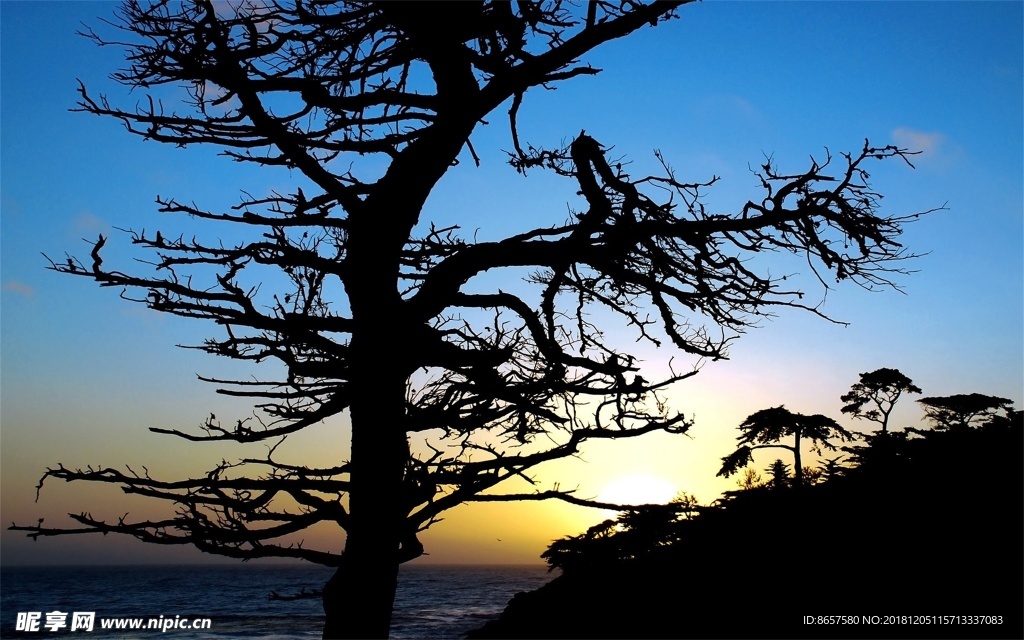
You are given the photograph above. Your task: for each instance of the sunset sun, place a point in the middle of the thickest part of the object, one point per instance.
(637, 489)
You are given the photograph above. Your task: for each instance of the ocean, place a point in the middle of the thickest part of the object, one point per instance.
(432, 601)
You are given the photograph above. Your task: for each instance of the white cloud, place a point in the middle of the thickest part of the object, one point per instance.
(927, 143)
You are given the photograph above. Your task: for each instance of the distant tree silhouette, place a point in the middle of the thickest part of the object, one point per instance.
(751, 479)
(768, 427)
(596, 544)
(368, 105)
(879, 390)
(1011, 419)
(634, 534)
(831, 468)
(960, 411)
(778, 474)
(687, 503)
(967, 483)
(812, 475)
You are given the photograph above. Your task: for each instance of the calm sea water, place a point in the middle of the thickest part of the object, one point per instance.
(432, 601)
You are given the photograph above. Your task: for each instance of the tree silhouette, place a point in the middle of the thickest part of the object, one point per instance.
(751, 480)
(964, 482)
(368, 105)
(831, 468)
(778, 473)
(878, 389)
(766, 428)
(961, 410)
(635, 533)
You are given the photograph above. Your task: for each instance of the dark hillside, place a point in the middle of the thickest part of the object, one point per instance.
(928, 524)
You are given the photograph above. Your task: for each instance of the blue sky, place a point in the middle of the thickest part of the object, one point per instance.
(82, 373)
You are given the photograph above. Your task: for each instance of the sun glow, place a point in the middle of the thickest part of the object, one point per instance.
(638, 489)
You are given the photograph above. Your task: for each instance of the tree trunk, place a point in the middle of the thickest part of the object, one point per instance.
(798, 471)
(359, 597)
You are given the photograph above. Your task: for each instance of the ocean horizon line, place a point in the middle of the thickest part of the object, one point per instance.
(261, 564)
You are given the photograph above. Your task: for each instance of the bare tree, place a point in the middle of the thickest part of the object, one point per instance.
(765, 429)
(879, 390)
(751, 480)
(489, 384)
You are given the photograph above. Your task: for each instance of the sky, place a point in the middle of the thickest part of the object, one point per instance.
(83, 373)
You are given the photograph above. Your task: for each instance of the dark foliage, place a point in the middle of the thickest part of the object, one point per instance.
(935, 530)
(766, 429)
(877, 390)
(961, 410)
(778, 475)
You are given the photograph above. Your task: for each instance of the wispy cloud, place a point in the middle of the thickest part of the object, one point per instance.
(86, 221)
(214, 92)
(734, 105)
(20, 288)
(928, 144)
(9, 206)
(228, 9)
